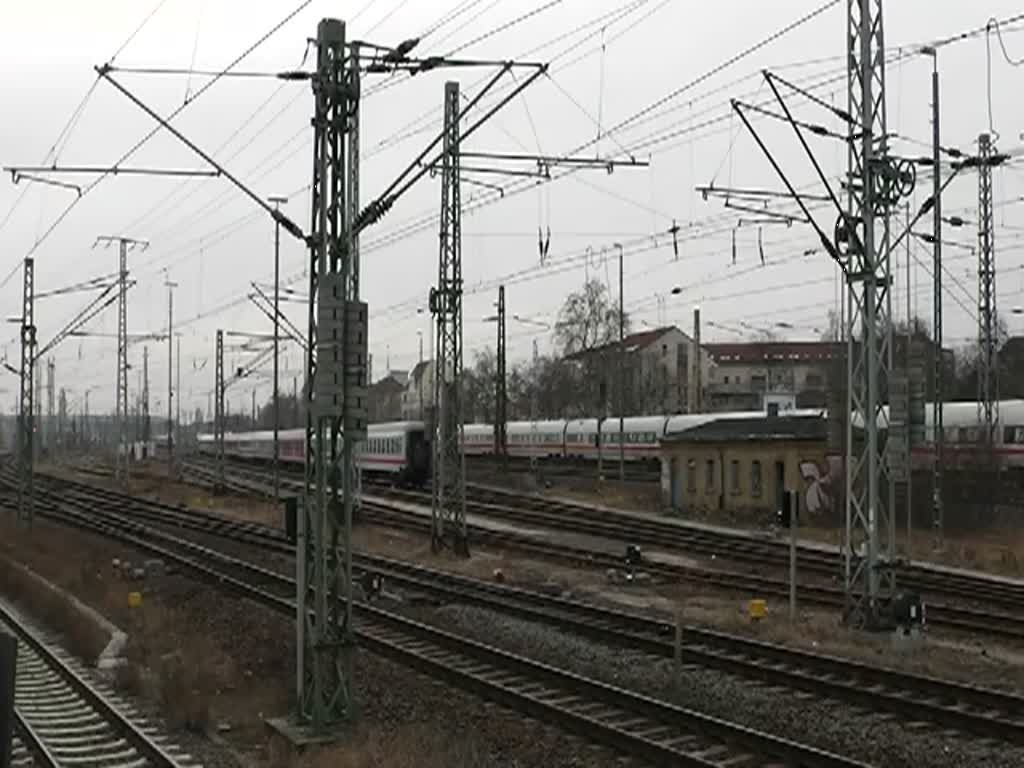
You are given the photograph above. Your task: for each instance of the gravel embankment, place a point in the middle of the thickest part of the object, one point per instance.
(877, 739)
(236, 662)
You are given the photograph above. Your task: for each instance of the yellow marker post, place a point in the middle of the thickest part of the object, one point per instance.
(757, 609)
(134, 600)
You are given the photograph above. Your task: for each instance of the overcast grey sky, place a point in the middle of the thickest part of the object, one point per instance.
(610, 60)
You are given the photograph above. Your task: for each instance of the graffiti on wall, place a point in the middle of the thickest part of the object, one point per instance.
(822, 484)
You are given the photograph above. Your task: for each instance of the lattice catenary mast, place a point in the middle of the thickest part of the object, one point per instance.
(27, 422)
(121, 396)
(501, 385)
(448, 507)
(335, 394)
(988, 333)
(870, 529)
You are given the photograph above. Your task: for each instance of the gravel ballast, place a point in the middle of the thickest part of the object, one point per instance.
(876, 738)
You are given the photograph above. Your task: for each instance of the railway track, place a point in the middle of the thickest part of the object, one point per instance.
(642, 727)
(63, 718)
(973, 589)
(1008, 625)
(974, 710)
(1006, 594)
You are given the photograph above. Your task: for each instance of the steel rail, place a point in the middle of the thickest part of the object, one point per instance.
(659, 732)
(132, 734)
(978, 710)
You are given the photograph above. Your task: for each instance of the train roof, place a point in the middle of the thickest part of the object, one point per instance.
(525, 427)
(634, 424)
(383, 429)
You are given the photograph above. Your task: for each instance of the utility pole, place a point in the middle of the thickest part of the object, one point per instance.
(988, 332)
(869, 545)
(121, 398)
(696, 384)
(50, 415)
(62, 415)
(533, 412)
(170, 369)
(177, 399)
(278, 201)
(86, 434)
(419, 378)
(622, 372)
(501, 394)
(145, 400)
(336, 394)
(448, 508)
(908, 431)
(38, 404)
(938, 396)
(218, 412)
(26, 420)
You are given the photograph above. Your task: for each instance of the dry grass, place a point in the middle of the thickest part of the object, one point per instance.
(81, 635)
(173, 663)
(993, 551)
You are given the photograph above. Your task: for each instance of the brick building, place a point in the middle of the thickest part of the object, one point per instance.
(658, 371)
(746, 376)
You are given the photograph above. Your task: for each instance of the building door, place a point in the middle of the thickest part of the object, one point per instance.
(780, 483)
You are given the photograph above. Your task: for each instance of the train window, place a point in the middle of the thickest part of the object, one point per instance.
(1009, 433)
(691, 475)
(709, 474)
(734, 476)
(755, 478)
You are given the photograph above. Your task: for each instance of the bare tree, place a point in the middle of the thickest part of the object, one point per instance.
(479, 387)
(588, 319)
(587, 326)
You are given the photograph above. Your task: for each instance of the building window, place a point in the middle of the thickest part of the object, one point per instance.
(691, 475)
(814, 380)
(755, 478)
(726, 379)
(709, 474)
(734, 476)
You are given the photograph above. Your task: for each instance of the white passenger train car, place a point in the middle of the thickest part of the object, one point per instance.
(399, 449)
